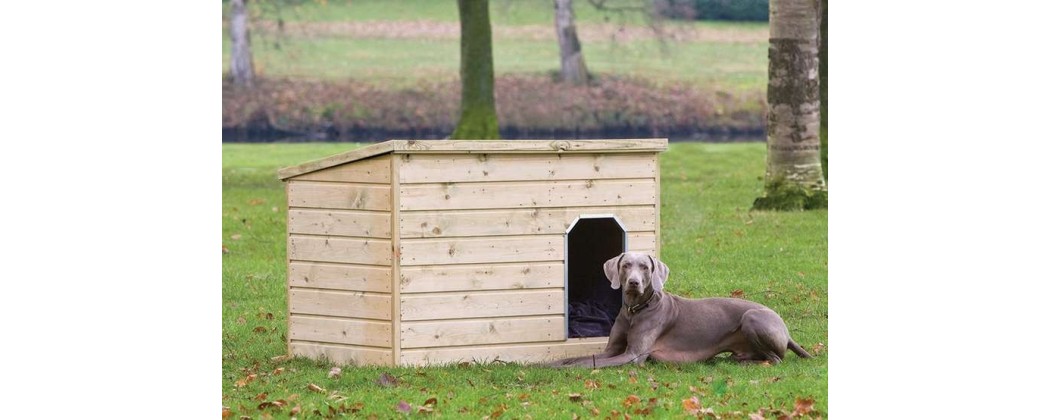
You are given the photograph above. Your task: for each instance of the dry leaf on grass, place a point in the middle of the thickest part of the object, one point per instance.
(316, 388)
(335, 372)
(802, 407)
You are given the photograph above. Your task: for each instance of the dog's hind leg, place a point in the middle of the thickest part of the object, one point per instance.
(767, 335)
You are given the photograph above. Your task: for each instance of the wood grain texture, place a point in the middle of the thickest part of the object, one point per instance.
(339, 250)
(374, 170)
(339, 304)
(482, 304)
(343, 354)
(504, 222)
(478, 146)
(339, 330)
(506, 195)
(331, 195)
(521, 353)
(482, 331)
(642, 242)
(482, 250)
(418, 169)
(444, 278)
(339, 276)
(363, 224)
(339, 159)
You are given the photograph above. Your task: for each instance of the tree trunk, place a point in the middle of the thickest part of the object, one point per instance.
(573, 69)
(794, 178)
(824, 86)
(241, 51)
(477, 118)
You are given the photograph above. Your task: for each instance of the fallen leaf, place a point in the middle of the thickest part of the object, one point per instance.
(760, 415)
(236, 237)
(335, 372)
(386, 380)
(256, 201)
(432, 401)
(596, 411)
(631, 400)
(295, 410)
(315, 388)
(802, 407)
(280, 358)
(502, 408)
(737, 294)
(247, 380)
(589, 384)
(691, 405)
(226, 412)
(357, 406)
(241, 320)
(260, 329)
(225, 250)
(403, 407)
(817, 348)
(574, 397)
(278, 371)
(262, 396)
(275, 209)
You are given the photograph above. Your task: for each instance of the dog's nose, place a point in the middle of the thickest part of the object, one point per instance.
(634, 282)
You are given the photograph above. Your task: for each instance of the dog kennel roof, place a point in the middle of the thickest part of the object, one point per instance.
(477, 146)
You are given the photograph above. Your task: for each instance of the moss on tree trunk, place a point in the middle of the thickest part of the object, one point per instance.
(794, 177)
(477, 118)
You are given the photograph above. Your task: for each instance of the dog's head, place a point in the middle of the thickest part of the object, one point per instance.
(636, 271)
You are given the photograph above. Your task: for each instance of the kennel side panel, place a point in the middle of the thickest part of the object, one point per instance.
(339, 330)
(374, 170)
(342, 354)
(334, 195)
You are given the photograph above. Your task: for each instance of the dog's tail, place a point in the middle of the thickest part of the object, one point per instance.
(801, 352)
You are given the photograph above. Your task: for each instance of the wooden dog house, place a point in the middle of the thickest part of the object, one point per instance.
(426, 252)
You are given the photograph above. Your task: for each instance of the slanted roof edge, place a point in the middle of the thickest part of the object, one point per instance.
(478, 146)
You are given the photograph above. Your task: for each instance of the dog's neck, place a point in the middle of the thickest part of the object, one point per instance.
(635, 304)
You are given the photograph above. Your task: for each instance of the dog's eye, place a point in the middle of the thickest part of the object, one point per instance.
(627, 265)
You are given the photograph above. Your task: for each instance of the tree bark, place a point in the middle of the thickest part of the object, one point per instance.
(478, 103)
(573, 69)
(824, 86)
(241, 51)
(794, 177)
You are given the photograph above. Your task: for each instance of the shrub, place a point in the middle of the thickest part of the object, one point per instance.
(734, 10)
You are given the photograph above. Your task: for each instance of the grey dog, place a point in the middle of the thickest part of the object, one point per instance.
(668, 328)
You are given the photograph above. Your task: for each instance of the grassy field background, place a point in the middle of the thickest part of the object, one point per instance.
(398, 44)
(712, 243)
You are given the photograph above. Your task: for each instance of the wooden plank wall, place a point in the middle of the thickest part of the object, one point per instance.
(339, 268)
(482, 247)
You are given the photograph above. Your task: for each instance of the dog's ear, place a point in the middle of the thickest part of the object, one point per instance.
(660, 273)
(612, 271)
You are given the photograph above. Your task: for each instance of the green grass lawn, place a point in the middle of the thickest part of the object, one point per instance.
(728, 56)
(711, 242)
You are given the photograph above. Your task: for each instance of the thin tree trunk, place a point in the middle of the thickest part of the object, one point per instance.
(794, 177)
(241, 50)
(478, 103)
(573, 69)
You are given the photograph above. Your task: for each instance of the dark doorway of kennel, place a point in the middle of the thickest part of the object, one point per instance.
(591, 303)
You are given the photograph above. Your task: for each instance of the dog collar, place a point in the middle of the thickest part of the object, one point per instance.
(633, 309)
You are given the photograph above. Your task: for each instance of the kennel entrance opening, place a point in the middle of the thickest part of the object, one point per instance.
(591, 303)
